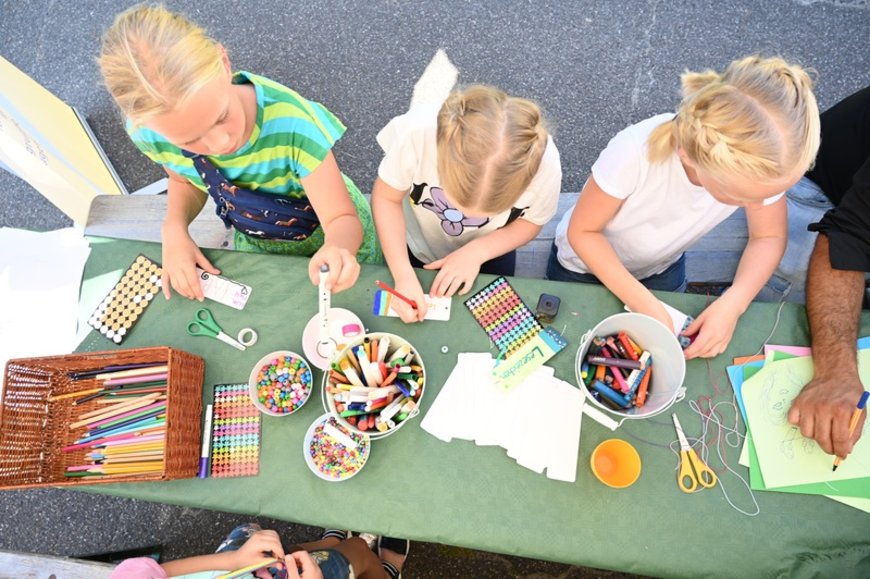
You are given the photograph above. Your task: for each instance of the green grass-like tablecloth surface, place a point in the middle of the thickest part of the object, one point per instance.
(418, 487)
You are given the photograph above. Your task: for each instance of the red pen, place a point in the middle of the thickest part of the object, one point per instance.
(387, 288)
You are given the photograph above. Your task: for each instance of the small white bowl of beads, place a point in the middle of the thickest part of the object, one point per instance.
(280, 383)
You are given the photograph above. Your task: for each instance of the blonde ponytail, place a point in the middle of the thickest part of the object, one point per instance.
(152, 59)
(759, 119)
(489, 146)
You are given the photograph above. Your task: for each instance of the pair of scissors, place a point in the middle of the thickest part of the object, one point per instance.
(203, 324)
(693, 471)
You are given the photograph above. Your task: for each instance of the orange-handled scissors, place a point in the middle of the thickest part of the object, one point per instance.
(693, 471)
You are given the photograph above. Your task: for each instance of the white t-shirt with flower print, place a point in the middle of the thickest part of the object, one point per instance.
(435, 228)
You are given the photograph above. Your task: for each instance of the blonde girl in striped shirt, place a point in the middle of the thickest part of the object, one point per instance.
(260, 150)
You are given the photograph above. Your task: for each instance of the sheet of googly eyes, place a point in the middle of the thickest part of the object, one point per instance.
(124, 304)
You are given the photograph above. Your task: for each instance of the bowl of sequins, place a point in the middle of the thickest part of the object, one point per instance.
(375, 384)
(280, 383)
(333, 452)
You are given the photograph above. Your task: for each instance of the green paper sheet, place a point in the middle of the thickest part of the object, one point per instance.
(851, 491)
(785, 456)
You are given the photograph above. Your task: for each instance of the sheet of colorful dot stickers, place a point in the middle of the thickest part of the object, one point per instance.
(125, 303)
(235, 447)
(504, 316)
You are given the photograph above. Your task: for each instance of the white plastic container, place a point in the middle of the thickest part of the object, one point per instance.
(395, 341)
(669, 365)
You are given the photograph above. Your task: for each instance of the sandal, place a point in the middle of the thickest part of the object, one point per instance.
(334, 534)
(371, 540)
(400, 547)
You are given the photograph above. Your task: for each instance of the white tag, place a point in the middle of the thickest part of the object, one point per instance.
(224, 291)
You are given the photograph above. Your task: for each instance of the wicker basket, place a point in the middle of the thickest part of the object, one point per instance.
(33, 430)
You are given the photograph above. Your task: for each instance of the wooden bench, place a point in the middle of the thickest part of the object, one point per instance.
(30, 566)
(713, 259)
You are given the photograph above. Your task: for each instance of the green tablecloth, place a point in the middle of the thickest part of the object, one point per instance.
(418, 487)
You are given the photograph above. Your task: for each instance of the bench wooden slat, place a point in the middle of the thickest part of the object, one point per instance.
(31, 566)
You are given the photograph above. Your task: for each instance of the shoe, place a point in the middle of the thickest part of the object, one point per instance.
(398, 546)
(371, 540)
(334, 534)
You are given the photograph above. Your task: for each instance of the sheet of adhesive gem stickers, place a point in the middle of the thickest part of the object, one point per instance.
(235, 443)
(503, 315)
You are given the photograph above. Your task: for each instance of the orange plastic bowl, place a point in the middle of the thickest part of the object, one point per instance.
(616, 463)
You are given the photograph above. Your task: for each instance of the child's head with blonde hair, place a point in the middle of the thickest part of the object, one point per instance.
(153, 60)
(490, 146)
(758, 122)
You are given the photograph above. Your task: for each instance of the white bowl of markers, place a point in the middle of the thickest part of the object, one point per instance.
(375, 384)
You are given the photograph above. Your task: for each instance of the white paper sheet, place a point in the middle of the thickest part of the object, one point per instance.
(40, 276)
(537, 422)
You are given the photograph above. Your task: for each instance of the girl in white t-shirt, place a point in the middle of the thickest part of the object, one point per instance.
(738, 139)
(460, 188)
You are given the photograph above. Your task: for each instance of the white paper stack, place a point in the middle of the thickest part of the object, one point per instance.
(537, 422)
(40, 275)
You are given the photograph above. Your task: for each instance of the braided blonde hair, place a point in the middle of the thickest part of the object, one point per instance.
(152, 60)
(489, 147)
(758, 119)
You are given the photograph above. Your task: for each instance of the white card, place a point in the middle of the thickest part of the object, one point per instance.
(224, 291)
(678, 318)
(566, 436)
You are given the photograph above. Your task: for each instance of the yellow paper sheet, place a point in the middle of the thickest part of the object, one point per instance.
(43, 142)
(785, 456)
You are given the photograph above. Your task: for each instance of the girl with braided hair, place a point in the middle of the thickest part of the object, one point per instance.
(460, 188)
(739, 139)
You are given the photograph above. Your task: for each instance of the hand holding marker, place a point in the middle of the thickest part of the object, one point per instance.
(387, 288)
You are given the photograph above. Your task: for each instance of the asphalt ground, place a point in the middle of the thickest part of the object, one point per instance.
(594, 66)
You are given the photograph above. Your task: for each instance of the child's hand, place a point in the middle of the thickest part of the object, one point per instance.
(260, 546)
(714, 328)
(411, 289)
(180, 258)
(655, 309)
(343, 267)
(458, 272)
(301, 565)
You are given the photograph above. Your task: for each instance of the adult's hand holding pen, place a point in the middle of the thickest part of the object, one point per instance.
(824, 408)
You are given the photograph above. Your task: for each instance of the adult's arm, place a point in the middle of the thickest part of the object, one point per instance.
(824, 407)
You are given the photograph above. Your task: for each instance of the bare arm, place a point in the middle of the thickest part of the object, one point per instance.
(459, 269)
(260, 546)
(825, 405)
(342, 229)
(768, 235)
(390, 224)
(594, 210)
(180, 253)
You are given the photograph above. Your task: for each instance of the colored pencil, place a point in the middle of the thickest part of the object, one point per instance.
(853, 423)
(387, 288)
(73, 394)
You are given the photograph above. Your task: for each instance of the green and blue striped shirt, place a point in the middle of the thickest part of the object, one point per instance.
(290, 139)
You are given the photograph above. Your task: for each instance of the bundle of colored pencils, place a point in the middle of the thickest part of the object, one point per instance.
(126, 434)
